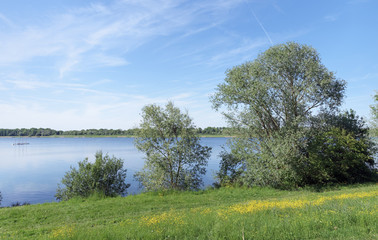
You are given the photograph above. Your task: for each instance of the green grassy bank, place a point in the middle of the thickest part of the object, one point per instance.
(226, 213)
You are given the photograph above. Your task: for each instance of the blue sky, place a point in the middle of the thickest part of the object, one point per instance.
(94, 64)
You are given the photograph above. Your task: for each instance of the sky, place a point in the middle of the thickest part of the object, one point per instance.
(68, 64)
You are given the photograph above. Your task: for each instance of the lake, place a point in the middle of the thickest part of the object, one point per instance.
(30, 173)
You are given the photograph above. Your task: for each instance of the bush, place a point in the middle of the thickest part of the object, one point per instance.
(105, 176)
(19, 204)
(339, 150)
(231, 169)
(336, 156)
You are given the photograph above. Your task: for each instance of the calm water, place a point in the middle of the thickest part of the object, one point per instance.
(31, 172)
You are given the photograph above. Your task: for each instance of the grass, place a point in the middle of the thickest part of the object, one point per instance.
(226, 213)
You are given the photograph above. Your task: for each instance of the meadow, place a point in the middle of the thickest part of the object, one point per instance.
(225, 213)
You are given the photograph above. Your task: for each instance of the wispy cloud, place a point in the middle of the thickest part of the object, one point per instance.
(79, 68)
(8, 22)
(188, 34)
(262, 27)
(2, 87)
(243, 51)
(21, 80)
(358, 1)
(331, 18)
(28, 84)
(87, 37)
(367, 76)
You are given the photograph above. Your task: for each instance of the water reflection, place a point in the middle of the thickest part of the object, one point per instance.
(31, 172)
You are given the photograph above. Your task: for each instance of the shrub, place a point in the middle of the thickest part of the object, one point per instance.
(105, 176)
(336, 156)
(19, 204)
(339, 150)
(231, 169)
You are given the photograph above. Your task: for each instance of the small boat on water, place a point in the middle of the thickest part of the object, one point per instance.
(21, 143)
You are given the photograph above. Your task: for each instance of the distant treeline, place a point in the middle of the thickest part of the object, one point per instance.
(40, 132)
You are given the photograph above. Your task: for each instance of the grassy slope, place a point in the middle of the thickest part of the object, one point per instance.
(348, 213)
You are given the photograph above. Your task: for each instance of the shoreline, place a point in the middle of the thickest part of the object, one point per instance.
(104, 136)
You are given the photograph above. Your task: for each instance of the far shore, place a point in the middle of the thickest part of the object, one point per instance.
(104, 136)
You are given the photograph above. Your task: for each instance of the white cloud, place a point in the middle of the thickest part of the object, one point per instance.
(86, 37)
(28, 84)
(98, 110)
(22, 80)
(2, 87)
(236, 55)
(96, 36)
(367, 76)
(6, 20)
(331, 18)
(358, 1)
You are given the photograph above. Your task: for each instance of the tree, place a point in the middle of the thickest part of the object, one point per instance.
(105, 176)
(175, 159)
(279, 89)
(1, 198)
(270, 101)
(374, 113)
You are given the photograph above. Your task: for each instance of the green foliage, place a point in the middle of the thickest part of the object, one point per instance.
(1, 198)
(43, 132)
(338, 156)
(278, 90)
(374, 108)
(280, 142)
(270, 101)
(339, 150)
(278, 160)
(105, 176)
(374, 113)
(231, 169)
(213, 130)
(347, 120)
(175, 158)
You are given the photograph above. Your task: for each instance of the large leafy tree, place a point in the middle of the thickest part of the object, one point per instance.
(106, 176)
(271, 100)
(175, 159)
(280, 88)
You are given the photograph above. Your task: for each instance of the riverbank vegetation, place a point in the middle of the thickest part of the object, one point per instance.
(105, 177)
(285, 104)
(48, 132)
